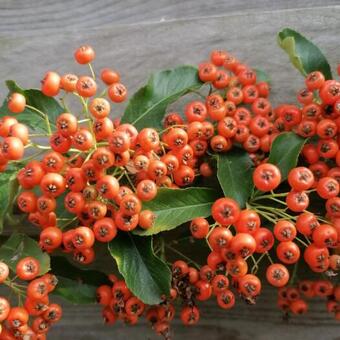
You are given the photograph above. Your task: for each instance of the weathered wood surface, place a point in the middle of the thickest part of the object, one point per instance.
(260, 322)
(36, 17)
(137, 37)
(135, 50)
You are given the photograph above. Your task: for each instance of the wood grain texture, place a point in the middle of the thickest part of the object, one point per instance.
(260, 322)
(37, 17)
(137, 50)
(137, 37)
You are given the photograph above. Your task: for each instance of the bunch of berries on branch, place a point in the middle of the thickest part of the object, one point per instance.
(101, 172)
(35, 314)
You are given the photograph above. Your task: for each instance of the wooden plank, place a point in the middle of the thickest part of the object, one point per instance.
(33, 17)
(260, 322)
(137, 50)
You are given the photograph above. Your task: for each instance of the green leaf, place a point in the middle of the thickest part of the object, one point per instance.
(8, 189)
(285, 152)
(145, 274)
(262, 76)
(76, 285)
(19, 246)
(75, 291)
(36, 98)
(174, 207)
(234, 172)
(303, 54)
(62, 267)
(66, 217)
(147, 106)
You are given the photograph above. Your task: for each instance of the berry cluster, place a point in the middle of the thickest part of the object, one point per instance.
(89, 164)
(238, 235)
(293, 298)
(15, 136)
(101, 171)
(34, 318)
(118, 302)
(245, 115)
